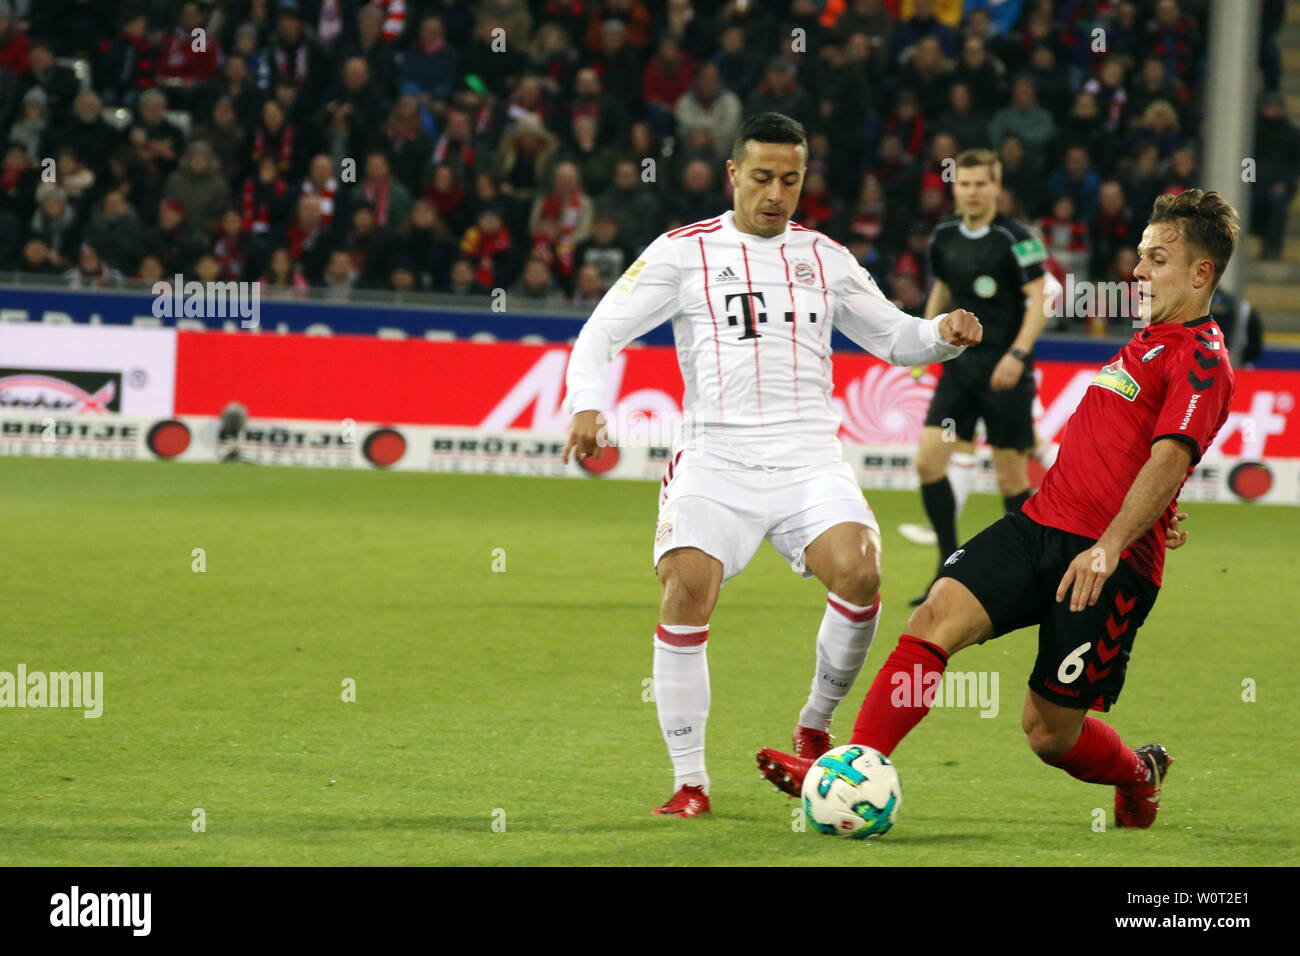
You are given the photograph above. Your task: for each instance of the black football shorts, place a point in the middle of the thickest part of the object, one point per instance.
(1014, 566)
(1008, 416)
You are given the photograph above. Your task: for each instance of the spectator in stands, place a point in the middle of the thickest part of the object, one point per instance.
(1112, 227)
(1065, 237)
(368, 43)
(1019, 177)
(231, 247)
(29, 130)
(1111, 95)
(898, 172)
(265, 199)
(870, 19)
(1158, 127)
(58, 82)
(1174, 39)
(428, 68)
(591, 286)
(736, 67)
(490, 246)
(1076, 179)
(818, 207)
(631, 206)
(448, 198)
(530, 100)
(18, 180)
(56, 223)
(150, 270)
(536, 286)
(198, 184)
(780, 92)
(13, 42)
(698, 198)
(340, 276)
(426, 246)
(157, 142)
(93, 139)
(187, 59)
(927, 73)
(352, 108)
(710, 105)
(457, 149)
(605, 251)
(127, 65)
(983, 73)
(308, 239)
(238, 84)
(961, 122)
(590, 99)
(276, 139)
(1277, 158)
(116, 232)
(404, 140)
(594, 162)
(91, 272)
(283, 276)
(1154, 85)
(173, 238)
(1182, 174)
(1142, 177)
(667, 78)
(369, 245)
(907, 122)
(227, 139)
(522, 162)
(552, 58)
(462, 279)
(924, 23)
(390, 200)
(38, 258)
(322, 182)
(1028, 122)
(295, 57)
(619, 65)
(561, 219)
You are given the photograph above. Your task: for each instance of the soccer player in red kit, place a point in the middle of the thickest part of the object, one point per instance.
(1083, 560)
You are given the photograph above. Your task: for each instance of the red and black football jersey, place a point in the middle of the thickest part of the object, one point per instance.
(1170, 381)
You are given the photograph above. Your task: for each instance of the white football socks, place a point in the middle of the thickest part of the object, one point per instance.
(842, 643)
(961, 475)
(681, 683)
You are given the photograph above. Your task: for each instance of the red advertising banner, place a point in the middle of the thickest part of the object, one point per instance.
(508, 385)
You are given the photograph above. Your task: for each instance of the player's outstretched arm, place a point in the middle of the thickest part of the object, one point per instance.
(1147, 498)
(889, 333)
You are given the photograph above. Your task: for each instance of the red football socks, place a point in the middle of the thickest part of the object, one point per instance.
(1101, 757)
(901, 694)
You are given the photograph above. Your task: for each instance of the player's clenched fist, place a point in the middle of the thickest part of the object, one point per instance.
(586, 436)
(960, 327)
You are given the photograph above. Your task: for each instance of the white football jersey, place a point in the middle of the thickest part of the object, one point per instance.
(752, 321)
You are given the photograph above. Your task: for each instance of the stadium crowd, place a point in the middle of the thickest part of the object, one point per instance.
(537, 145)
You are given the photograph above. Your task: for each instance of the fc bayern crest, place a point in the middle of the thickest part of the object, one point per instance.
(804, 272)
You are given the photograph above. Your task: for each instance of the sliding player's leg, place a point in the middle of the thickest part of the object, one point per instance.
(846, 559)
(1082, 662)
(981, 593)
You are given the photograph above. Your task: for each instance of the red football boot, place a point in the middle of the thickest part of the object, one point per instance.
(689, 801)
(811, 743)
(1137, 808)
(784, 771)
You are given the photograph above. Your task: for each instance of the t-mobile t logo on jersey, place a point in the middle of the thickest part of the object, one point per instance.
(75, 908)
(751, 314)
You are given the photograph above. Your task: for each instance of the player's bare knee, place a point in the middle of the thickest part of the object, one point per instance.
(858, 583)
(687, 594)
(1045, 742)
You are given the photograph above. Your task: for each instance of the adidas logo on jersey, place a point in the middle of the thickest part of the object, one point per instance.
(726, 275)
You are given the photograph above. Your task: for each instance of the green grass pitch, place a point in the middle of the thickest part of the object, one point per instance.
(499, 716)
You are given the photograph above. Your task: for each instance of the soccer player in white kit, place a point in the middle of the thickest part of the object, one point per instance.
(753, 297)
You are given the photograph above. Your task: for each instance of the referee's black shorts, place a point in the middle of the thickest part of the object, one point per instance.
(1014, 566)
(959, 399)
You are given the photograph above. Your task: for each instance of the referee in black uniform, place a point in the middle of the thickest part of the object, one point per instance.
(993, 266)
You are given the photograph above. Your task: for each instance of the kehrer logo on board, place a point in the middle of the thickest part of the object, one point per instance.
(48, 390)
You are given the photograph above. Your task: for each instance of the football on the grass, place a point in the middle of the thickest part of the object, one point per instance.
(852, 791)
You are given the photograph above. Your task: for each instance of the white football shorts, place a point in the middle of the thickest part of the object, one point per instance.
(726, 509)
